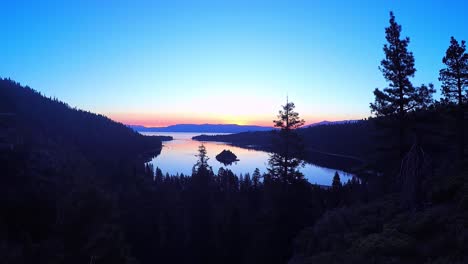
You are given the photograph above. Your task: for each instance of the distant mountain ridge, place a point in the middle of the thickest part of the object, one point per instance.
(223, 128)
(203, 128)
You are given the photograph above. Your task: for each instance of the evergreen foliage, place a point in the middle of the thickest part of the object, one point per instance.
(454, 80)
(400, 97)
(289, 150)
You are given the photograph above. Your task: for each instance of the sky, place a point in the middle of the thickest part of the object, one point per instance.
(158, 63)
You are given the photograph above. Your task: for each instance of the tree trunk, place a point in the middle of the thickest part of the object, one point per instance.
(402, 124)
(460, 122)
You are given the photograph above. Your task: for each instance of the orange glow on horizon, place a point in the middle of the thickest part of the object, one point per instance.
(164, 123)
(163, 120)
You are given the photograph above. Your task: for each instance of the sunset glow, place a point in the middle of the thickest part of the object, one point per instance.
(157, 63)
(157, 120)
(234, 131)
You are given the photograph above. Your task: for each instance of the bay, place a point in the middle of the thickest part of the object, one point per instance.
(179, 156)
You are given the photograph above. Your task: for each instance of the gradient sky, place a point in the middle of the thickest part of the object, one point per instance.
(158, 63)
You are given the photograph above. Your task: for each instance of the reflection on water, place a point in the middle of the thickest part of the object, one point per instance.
(178, 156)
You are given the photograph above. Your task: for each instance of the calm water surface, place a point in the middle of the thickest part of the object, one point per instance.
(178, 156)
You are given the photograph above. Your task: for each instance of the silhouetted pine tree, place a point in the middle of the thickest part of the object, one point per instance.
(256, 178)
(336, 184)
(454, 80)
(158, 176)
(401, 96)
(283, 163)
(202, 162)
(200, 209)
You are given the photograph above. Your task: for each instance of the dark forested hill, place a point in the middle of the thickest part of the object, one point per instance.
(64, 173)
(38, 121)
(75, 189)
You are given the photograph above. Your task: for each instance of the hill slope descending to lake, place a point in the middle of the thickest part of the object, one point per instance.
(67, 176)
(38, 121)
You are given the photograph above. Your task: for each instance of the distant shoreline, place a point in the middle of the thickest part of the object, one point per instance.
(204, 128)
(347, 163)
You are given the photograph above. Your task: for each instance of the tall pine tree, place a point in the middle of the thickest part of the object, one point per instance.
(285, 160)
(454, 80)
(336, 183)
(400, 96)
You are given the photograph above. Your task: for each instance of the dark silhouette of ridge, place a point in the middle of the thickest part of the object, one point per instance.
(38, 121)
(326, 122)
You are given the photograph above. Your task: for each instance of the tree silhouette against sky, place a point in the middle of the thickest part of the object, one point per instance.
(454, 80)
(285, 160)
(400, 97)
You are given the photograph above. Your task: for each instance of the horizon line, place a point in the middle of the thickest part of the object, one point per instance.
(227, 124)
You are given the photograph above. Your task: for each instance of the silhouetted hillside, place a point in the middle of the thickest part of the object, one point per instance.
(326, 122)
(385, 230)
(63, 173)
(75, 190)
(41, 122)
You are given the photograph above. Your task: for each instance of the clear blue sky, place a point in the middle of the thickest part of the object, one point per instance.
(163, 62)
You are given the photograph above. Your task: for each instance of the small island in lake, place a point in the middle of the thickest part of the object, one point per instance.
(226, 157)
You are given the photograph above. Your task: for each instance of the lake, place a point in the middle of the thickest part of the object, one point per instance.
(178, 156)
